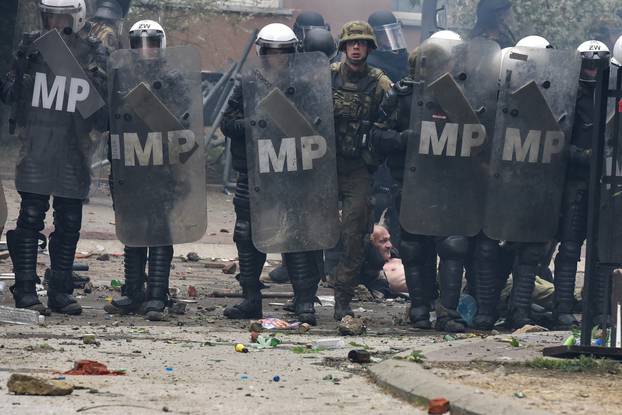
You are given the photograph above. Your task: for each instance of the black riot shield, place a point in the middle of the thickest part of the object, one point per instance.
(157, 148)
(291, 152)
(453, 118)
(59, 106)
(610, 225)
(534, 125)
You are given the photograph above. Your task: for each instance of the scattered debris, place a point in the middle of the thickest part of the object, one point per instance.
(276, 378)
(277, 324)
(14, 315)
(30, 385)
(329, 344)
(528, 328)
(416, 356)
(103, 257)
(192, 291)
(193, 257)
(438, 406)
(239, 294)
(240, 348)
(230, 268)
(116, 285)
(224, 230)
(359, 356)
(90, 339)
(266, 342)
(92, 368)
(519, 395)
(352, 326)
(305, 350)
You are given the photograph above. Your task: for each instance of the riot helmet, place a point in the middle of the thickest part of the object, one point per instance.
(592, 52)
(147, 34)
(112, 10)
(275, 38)
(68, 16)
(617, 52)
(446, 35)
(533, 41)
(357, 30)
(388, 31)
(306, 21)
(320, 40)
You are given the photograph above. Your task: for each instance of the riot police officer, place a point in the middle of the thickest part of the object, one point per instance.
(303, 267)
(357, 93)
(573, 223)
(418, 252)
(306, 21)
(55, 155)
(392, 54)
(146, 36)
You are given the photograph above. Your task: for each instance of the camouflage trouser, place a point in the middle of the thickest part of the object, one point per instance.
(355, 193)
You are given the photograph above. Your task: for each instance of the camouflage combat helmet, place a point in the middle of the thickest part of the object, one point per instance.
(357, 30)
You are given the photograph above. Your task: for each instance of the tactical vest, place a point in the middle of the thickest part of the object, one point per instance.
(356, 107)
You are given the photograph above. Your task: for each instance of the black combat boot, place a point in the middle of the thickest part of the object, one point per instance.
(63, 243)
(452, 251)
(60, 290)
(133, 291)
(523, 282)
(305, 277)
(565, 274)
(23, 251)
(342, 305)
(156, 300)
(485, 273)
(417, 269)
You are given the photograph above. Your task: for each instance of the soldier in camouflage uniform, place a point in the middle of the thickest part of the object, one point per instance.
(357, 92)
(105, 25)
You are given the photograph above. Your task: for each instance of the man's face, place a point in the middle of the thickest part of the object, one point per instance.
(381, 239)
(357, 50)
(57, 21)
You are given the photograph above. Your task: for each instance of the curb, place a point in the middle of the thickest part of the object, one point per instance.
(410, 381)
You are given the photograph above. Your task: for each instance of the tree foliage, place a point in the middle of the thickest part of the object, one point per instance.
(565, 23)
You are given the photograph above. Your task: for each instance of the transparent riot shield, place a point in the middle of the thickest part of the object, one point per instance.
(291, 155)
(156, 146)
(535, 115)
(610, 225)
(453, 118)
(58, 108)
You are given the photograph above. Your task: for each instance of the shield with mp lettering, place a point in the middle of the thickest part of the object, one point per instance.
(535, 115)
(156, 146)
(452, 120)
(290, 141)
(58, 107)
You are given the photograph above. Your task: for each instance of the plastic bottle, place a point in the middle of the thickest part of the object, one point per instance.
(467, 307)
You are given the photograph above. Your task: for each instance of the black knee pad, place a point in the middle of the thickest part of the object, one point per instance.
(530, 254)
(413, 249)
(242, 234)
(32, 211)
(453, 247)
(67, 215)
(569, 251)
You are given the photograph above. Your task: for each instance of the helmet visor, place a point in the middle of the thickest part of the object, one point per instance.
(55, 19)
(307, 29)
(390, 37)
(146, 39)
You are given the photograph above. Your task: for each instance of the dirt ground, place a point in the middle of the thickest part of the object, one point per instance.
(557, 391)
